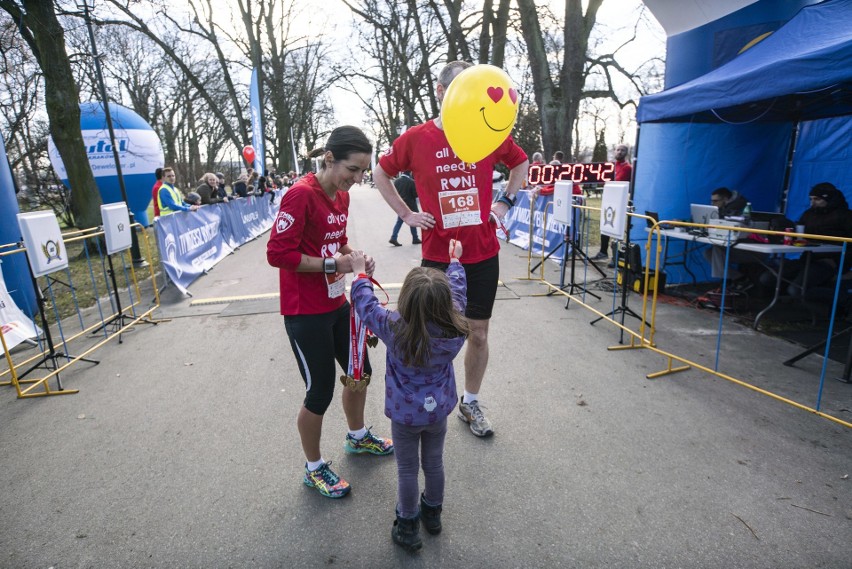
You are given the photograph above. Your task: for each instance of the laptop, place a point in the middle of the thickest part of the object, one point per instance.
(763, 219)
(703, 213)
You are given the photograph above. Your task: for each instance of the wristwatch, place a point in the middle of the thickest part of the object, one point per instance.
(329, 265)
(507, 199)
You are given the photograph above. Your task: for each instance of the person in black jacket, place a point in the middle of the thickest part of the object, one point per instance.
(828, 215)
(730, 203)
(407, 190)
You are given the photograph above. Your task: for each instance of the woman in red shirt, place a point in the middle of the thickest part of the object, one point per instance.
(309, 245)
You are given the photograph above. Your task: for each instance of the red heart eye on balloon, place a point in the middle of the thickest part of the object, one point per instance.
(513, 95)
(496, 93)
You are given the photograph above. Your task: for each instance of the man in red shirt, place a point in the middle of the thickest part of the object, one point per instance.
(156, 190)
(623, 173)
(455, 199)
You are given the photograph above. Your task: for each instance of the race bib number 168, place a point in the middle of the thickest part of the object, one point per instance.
(459, 208)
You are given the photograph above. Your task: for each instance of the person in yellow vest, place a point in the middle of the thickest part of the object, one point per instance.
(169, 198)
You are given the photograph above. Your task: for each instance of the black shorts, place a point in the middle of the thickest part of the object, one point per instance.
(482, 278)
(318, 340)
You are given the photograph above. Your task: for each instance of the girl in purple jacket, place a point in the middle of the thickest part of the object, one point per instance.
(422, 337)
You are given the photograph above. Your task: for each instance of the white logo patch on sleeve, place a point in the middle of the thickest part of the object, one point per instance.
(283, 222)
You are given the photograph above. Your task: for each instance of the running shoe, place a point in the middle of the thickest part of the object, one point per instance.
(326, 481)
(479, 424)
(370, 443)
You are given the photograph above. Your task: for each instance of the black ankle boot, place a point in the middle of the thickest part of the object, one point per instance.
(406, 533)
(431, 516)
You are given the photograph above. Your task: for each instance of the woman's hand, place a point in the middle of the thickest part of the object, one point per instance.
(359, 262)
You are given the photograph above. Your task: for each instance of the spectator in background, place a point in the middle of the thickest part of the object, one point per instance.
(407, 190)
(240, 187)
(558, 157)
(208, 189)
(155, 190)
(169, 197)
(537, 158)
(192, 198)
(220, 190)
(623, 173)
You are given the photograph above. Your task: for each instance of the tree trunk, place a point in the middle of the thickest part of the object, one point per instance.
(40, 27)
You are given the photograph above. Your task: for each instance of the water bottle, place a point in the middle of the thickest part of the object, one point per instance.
(747, 214)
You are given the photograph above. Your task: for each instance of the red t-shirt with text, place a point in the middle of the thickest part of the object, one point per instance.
(459, 195)
(311, 223)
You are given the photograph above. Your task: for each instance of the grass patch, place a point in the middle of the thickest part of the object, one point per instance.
(87, 278)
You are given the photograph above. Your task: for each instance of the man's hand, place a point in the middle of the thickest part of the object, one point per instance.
(423, 220)
(500, 210)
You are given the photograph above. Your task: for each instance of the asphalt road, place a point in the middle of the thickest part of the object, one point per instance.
(180, 449)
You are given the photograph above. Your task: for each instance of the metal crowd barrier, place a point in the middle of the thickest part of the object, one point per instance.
(64, 324)
(644, 336)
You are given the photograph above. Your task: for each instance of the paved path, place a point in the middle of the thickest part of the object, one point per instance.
(180, 449)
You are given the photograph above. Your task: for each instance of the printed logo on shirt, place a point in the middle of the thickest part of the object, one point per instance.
(429, 404)
(339, 219)
(283, 222)
(388, 152)
(330, 249)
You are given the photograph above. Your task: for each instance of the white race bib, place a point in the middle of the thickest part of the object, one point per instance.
(460, 208)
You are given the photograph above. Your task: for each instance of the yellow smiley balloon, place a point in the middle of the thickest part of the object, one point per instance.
(479, 111)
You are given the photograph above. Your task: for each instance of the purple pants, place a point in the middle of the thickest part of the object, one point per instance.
(407, 443)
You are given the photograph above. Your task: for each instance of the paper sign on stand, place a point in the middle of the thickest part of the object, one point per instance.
(614, 209)
(117, 229)
(563, 200)
(43, 241)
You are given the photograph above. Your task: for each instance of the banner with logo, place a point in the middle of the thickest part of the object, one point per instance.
(15, 325)
(256, 105)
(139, 153)
(191, 243)
(517, 223)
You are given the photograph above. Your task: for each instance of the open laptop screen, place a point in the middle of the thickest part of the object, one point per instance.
(703, 213)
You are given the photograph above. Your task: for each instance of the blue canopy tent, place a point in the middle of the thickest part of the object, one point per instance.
(770, 123)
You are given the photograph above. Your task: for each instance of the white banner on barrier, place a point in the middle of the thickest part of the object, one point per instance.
(14, 323)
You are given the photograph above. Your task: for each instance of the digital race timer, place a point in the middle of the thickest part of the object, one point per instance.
(592, 172)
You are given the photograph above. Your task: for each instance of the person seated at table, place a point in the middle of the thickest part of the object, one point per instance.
(730, 203)
(828, 215)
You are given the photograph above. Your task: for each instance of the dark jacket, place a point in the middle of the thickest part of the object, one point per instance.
(240, 188)
(209, 195)
(834, 220)
(734, 207)
(407, 190)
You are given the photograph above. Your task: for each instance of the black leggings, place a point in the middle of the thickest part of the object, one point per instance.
(317, 341)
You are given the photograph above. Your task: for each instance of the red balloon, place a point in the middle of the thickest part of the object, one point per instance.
(248, 154)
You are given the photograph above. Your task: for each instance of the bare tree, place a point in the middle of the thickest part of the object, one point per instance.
(565, 72)
(39, 27)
